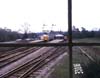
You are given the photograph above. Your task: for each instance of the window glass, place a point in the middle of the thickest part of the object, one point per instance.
(85, 21)
(49, 62)
(86, 61)
(34, 18)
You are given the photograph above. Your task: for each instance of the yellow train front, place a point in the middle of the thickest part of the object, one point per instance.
(45, 37)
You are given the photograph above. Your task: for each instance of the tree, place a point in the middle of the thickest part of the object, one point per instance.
(25, 35)
(84, 32)
(26, 30)
(75, 32)
(8, 35)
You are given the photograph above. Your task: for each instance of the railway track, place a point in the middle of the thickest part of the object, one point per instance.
(91, 52)
(29, 73)
(33, 65)
(18, 55)
(16, 50)
(14, 55)
(87, 54)
(4, 54)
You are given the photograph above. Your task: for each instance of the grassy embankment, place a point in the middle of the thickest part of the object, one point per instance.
(62, 69)
(91, 69)
(88, 40)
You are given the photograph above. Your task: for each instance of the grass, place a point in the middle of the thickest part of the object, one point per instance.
(62, 69)
(91, 70)
(78, 58)
(88, 40)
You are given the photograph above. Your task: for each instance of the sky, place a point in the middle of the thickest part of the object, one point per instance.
(33, 14)
(86, 13)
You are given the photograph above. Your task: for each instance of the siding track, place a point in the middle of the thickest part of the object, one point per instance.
(33, 65)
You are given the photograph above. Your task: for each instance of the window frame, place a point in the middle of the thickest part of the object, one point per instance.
(70, 44)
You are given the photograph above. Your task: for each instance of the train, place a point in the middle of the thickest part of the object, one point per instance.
(51, 36)
(47, 37)
(59, 36)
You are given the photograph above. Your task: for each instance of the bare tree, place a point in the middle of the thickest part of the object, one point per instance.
(26, 27)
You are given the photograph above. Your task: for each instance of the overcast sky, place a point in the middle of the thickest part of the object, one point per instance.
(14, 13)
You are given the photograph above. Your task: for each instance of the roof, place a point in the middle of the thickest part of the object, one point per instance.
(59, 35)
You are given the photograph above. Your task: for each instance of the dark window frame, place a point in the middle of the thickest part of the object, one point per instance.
(70, 44)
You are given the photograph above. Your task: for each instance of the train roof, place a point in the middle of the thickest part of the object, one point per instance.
(59, 35)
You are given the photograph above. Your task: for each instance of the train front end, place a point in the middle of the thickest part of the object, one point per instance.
(45, 37)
